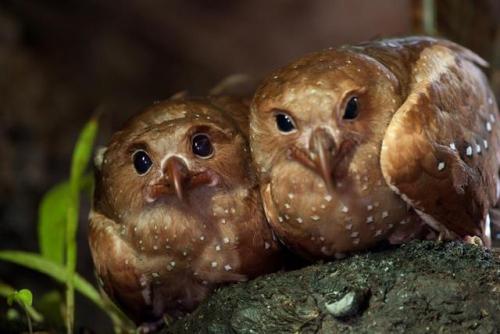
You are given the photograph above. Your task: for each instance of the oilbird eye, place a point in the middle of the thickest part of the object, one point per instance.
(202, 146)
(142, 162)
(285, 122)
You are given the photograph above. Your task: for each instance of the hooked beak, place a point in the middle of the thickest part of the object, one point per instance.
(322, 156)
(322, 147)
(176, 173)
(177, 178)
(323, 151)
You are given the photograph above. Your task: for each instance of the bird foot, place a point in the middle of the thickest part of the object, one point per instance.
(473, 240)
(151, 327)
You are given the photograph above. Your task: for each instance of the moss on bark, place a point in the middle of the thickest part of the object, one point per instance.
(419, 287)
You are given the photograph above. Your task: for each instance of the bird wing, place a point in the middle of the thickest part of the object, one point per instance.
(440, 148)
(114, 261)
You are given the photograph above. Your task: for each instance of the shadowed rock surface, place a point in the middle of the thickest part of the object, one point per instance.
(417, 288)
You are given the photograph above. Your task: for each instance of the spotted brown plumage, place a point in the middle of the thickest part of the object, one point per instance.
(176, 209)
(384, 140)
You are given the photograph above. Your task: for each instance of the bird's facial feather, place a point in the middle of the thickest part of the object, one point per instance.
(348, 96)
(212, 150)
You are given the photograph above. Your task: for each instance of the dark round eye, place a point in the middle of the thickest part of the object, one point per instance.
(284, 122)
(351, 109)
(202, 146)
(142, 162)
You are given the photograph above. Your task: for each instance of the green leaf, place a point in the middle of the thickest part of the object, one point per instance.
(12, 314)
(25, 297)
(7, 291)
(81, 157)
(52, 214)
(52, 222)
(50, 304)
(57, 272)
(37, 262)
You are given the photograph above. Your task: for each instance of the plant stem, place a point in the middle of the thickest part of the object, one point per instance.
(30, 327)
(429, 17)
(81, 157)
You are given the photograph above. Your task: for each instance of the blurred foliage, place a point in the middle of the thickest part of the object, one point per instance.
(23, 298)
(57, 228)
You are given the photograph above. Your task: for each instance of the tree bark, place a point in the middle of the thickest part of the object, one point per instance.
(419, 287)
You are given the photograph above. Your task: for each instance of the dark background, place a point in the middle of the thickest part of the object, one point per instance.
(63, 61)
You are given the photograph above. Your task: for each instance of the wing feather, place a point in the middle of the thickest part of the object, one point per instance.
(439, 150)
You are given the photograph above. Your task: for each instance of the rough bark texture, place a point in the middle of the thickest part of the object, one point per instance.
(420, 287)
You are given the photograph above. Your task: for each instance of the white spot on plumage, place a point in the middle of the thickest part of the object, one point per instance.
(385, 214)
(202, 238)
(226, 240)
(453, 147)
(369, 219)
(217, 248)
(287, 206)
(378, 233)
(468, 151)
(478, 149)
(488, 126)
(328, 198)
(441, 166)
(315, 217)
(214, 264)
(280, 219)
(485, 144)
(300, 220)
(354, 234)
(345, 209)
(155, 274)
(369, 207)
(291, 196)
(492, 118)
(228, 267)
(267, 245)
